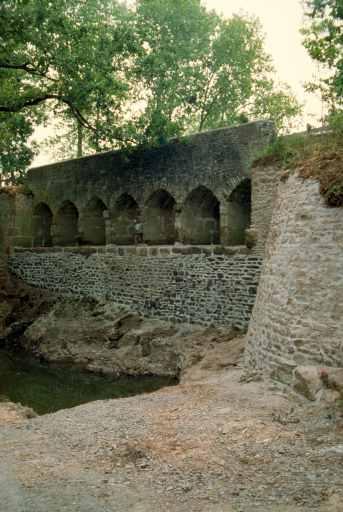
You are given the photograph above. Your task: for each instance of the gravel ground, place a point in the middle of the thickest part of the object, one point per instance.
(214, 445)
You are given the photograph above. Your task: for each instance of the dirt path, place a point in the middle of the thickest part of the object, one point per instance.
(216, 445)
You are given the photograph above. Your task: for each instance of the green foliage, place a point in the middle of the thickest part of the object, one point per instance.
(288, 151)
(117, 77)
(324, 42)
(277, 104)
(314, 156)
(64, 56)
(15, 153)
(199, 71)
(284, 150)
(193, 70)
(334, 194)
(335, 121)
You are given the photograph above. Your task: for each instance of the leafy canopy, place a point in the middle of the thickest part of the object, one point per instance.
(324, 42)
(117, 76)
(63, 56)
(198, 70)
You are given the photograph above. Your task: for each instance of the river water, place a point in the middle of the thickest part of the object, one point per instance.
(47, 388)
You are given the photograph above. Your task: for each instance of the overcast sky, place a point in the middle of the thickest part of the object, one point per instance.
(281, 21)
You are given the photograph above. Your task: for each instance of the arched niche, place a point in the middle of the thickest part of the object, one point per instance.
(66, 225)
(239, 213)
(41, 226)
(200, 217)
(125, 214)
(159, 218)
(92, 223)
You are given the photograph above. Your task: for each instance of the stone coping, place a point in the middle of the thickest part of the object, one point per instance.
(142, 250)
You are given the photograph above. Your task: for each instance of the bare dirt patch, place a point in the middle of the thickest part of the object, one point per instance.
(215, 445)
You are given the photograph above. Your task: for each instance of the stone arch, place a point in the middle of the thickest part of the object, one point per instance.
(66, 225)
(92, 223)
(159, 218)
(41, 226)
(200, 217)
(126, 211)
(239, 213)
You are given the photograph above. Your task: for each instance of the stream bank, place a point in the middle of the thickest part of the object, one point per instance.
(210, 445)
(103, 337)
(44, 388)
(60, 352)
(214, 443)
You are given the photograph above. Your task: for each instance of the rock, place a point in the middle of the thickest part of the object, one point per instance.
(5, 310)
(324, 384)
(250, 238)
(14, 413)
(221, 353)
(105, 338)
(332, 450)
(307, 381)
(20, 305)
(335, 380)
(329, 396)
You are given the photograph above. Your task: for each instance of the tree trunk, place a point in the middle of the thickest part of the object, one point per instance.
(79, 139)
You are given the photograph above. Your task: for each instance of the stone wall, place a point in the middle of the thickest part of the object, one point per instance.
(3, 268)
(15, 218)
(7, 219)
(265, 178)
(206, 285)
(298, 315)
(180, 191)
(185, 193)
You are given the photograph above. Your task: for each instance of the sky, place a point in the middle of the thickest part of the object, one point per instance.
(281, 23)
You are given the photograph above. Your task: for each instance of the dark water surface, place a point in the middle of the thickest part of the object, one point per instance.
(47, 388)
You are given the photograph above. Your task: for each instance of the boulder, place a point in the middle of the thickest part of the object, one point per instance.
(307, 381)
(105, 337)
(335, 380)
(14, 413)
(319, 383)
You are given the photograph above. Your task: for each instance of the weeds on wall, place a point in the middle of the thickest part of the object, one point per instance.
(313, 156)
(327, 168)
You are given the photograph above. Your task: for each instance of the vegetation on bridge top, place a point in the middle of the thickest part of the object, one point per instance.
(312, 155)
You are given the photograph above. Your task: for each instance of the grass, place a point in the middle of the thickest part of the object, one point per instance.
(318, 157)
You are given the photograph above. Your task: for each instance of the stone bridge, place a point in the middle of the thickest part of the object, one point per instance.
(196, 191)
(73, 228)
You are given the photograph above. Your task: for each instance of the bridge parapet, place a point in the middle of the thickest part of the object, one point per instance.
(196, 191)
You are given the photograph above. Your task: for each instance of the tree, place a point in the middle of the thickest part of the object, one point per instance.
(118, 77)
(199, 71)
(15, 153)
(324, 42)
(63, 56)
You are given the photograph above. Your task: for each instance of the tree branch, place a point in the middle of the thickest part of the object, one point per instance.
(24, 67)
(203, 112)
(30, 102)
(28, 68)
(62, 99)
